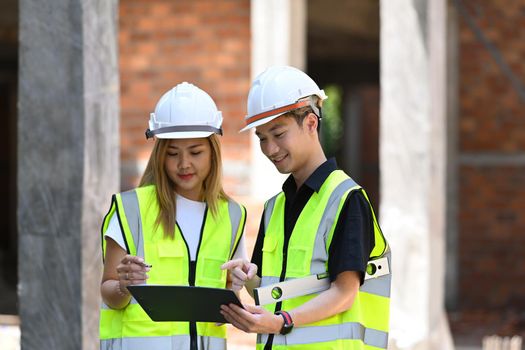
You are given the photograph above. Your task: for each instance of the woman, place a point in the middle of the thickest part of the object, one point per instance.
(179, 221)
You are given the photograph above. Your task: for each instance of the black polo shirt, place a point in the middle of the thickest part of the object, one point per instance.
(353, 238)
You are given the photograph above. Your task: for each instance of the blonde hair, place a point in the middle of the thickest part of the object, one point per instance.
(155, 174)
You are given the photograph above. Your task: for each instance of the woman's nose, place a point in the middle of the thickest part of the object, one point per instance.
(184, 161)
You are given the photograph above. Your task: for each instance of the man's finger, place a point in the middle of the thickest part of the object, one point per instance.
(252, 270)
(228, 265)
(232, 317)
(239, 274)
(251, 309)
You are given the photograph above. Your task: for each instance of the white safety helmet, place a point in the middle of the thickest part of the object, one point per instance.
(278, 90)
(185, 112)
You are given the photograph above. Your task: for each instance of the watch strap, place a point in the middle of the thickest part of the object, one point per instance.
(288, 322)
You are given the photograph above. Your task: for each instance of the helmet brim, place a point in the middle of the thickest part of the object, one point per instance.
(261, 122)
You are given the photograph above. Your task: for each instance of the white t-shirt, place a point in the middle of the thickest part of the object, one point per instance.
(190, 215)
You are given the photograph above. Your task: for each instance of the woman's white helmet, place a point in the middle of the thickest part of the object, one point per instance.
(185, 112)
(278, 90)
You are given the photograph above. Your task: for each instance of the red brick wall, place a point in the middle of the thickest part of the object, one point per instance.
(492, 127)
(163, 43)
(492, 237)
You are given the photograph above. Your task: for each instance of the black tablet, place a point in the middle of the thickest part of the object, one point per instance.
(183, 303)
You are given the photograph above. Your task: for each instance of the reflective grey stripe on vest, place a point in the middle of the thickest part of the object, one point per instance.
(320, 252)
(235, 219)
(111, 344)
(267, 280)
(318, 334)
(380, 285)
(269, 210)
(130, 202)
(162, 343)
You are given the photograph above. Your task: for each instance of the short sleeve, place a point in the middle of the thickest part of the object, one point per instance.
(114, 232)
(257, 249)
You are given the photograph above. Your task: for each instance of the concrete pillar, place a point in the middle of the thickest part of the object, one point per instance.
(68, 161)
(413, 145)
(278, 38)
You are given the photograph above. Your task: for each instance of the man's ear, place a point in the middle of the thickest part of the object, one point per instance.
(310, 122)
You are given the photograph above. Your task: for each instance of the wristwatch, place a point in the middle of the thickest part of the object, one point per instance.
(288, 323)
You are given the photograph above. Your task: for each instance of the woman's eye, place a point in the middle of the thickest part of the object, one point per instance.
(172, 154)
(196, 153)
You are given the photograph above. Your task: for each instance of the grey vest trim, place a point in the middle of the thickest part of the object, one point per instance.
(130, 202)
(318, 334)
(235, 220)
(175, 342)
(267, 280)
(269, 210)
(111, 344)
(320, 255)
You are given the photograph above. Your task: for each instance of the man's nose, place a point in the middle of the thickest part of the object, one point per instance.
(271, 148)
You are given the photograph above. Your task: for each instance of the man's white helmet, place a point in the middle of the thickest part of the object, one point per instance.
(185, 112)
(278, 90)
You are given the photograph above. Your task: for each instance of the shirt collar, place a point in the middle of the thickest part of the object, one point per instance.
(315, 180)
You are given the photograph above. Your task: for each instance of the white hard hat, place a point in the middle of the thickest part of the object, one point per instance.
(278, 90)
(185, 112)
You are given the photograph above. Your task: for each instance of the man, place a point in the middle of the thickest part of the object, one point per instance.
(322, 223)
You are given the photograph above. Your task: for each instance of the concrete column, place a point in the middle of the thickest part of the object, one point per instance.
(278, 38)
(68, 161)
(413, 161)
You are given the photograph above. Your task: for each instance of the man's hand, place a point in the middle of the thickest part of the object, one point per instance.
(240, 271)
(252, 319)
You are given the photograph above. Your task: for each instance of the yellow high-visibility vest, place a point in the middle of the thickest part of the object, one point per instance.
(131, 327)
(365, 325)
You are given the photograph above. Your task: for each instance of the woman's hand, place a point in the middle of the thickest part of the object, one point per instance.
(240, 271)
(131, 270)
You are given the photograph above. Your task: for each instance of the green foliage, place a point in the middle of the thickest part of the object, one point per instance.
(332, 122)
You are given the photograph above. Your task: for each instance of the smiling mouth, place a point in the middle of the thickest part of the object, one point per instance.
(185, 176)
(279, 159)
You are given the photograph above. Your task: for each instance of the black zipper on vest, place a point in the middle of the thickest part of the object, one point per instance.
(192, 268)
(279, 305)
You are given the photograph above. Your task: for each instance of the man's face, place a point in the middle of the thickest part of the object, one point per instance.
(285, 143)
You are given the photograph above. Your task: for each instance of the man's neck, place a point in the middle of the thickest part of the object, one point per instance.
(314, 161)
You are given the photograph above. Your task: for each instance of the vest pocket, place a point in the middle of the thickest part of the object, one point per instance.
(172, 267)
(212, 275)
(269, 245)
(298, 264)
(271, 257)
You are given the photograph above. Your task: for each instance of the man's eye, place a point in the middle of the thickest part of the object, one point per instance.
(279, 134)
(261, 140)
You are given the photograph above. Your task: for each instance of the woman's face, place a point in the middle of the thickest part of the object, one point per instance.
(188, 163)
